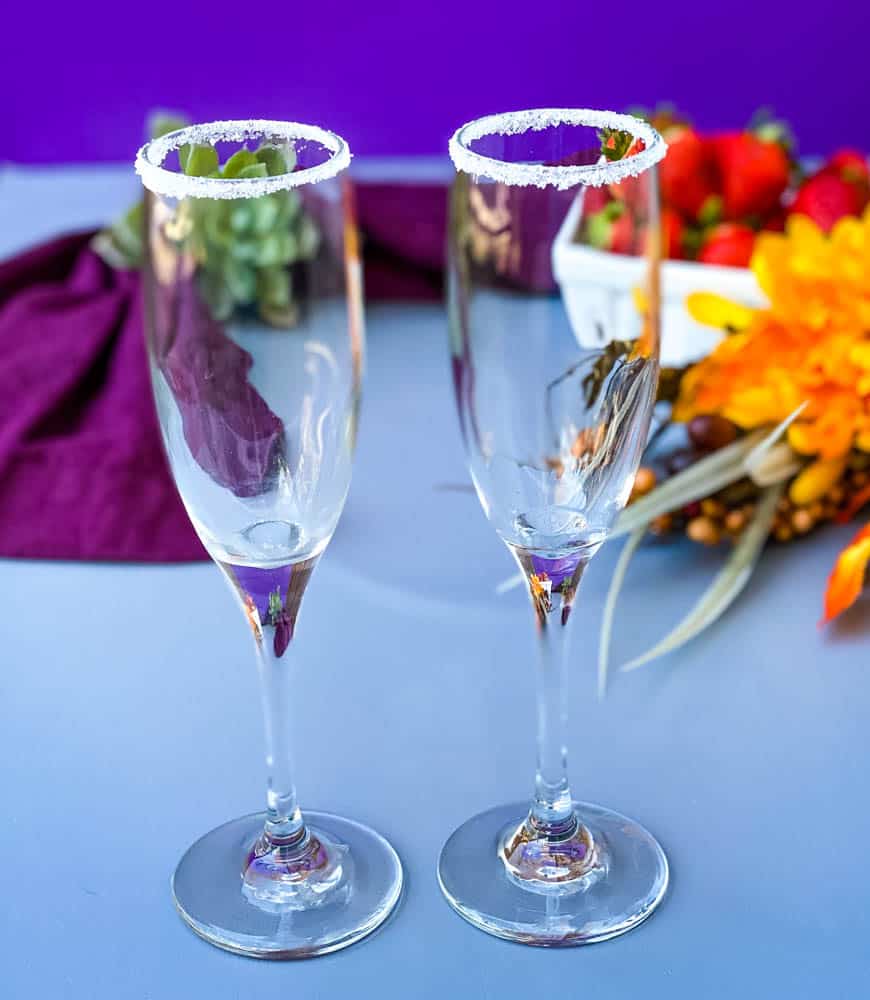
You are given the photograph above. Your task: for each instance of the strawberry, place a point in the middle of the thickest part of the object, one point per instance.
(826, 198)
(851, 166)
(595, 199)
(755, 173)
(673, 231)
(611, 229)
(687, 174)
(633, 190)
(729, 244)
(775, 223)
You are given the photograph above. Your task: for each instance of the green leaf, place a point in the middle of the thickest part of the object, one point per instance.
(616, 581)
(277, 159)
(245, 249)
(711, 209)
(615, 143)
(201, 161)
(241, 280)
(273, 287)
(276, 605)
(269, 251)
(216, 293)
(254, 170)
(726, 586)
(265, 214)
(309, 239)
(241, 216)
(237, 162)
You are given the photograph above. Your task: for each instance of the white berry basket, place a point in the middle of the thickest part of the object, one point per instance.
(597, 288)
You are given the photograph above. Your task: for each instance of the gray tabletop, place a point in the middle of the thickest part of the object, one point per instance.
(129, 725)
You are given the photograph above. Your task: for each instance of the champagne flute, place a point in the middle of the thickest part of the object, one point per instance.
(555, 370)
(254, 328)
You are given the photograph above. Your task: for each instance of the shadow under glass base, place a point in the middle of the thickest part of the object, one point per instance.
(628, 882)
(207, 888)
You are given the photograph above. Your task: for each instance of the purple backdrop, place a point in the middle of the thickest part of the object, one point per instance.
(78, 79)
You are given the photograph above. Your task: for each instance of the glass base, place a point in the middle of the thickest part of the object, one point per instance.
(623, 886)
(212, 897)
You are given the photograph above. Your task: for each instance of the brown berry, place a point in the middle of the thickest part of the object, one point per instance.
(735, 522)
(704, 530)
(662, 524)
(815, 510)
(644, 481)
(710, 432)
(782, 532)
(836, 494)
(802, 520)
(713, 508)
(860, 479)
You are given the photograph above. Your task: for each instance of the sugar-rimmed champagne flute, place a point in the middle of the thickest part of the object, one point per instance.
(555, 371)
(254, 327)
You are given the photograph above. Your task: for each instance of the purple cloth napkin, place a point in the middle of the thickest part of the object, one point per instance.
(82, 470)
(82, 473)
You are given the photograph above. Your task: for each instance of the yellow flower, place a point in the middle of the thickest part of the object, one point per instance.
(811, 344)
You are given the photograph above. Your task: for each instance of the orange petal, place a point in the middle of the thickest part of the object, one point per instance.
(847, 579)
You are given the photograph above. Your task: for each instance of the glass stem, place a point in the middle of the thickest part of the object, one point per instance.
(284, 823)
(552, 587)
(270, 599)
(552, 808)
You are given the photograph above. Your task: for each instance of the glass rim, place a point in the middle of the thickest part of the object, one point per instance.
(172, 184)
(539, 175)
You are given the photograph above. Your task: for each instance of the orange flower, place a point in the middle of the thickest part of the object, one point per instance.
(847, 579)
(812, 344)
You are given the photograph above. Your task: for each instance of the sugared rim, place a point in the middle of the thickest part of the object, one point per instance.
(172, 184)
(538, 175)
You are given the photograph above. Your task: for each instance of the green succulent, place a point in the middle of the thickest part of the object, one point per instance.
(245, 247)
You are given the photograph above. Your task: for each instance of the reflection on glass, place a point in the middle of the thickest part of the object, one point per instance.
(555, 371)
(255, 341)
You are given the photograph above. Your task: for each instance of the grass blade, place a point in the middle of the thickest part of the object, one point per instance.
(729, 582)
(699, 480)
(628, 550)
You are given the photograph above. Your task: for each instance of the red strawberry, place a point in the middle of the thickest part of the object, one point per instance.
(775, 223)
(611, 229)
(688, 173)
(729, 243)
(851, 166)
(633, 190)
(826, 198)
(595, 199)
(673, 232)
(622, 237)
(755, 173)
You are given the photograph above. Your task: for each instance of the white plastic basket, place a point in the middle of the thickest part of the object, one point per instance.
(597, 289)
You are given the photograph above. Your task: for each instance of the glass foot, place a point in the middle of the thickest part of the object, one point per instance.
(625, 880)
(309, 918)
